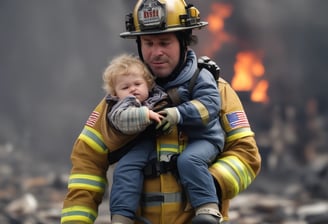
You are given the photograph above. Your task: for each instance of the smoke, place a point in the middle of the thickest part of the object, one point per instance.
(53, 54)
(291, 35)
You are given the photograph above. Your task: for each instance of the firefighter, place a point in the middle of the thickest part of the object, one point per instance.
(155, 25)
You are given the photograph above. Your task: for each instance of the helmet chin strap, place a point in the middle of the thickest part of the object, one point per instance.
(178, 67)
(139, 48)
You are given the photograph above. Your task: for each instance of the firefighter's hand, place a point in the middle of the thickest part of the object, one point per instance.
(170, 119)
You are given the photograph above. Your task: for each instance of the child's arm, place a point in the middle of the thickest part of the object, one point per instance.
(129, 117)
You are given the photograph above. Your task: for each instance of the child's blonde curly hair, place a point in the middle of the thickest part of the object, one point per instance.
(122, 65)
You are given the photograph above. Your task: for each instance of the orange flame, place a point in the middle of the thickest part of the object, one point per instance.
(249, 69)
(259, 94)
(220, 12)
(248, 72)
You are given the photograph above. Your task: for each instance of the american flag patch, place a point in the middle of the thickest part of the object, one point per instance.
(92, 118)
(237, 119)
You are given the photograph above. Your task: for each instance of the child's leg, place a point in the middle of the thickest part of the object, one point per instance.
(197, 180)
(128, 179)
(193, 171)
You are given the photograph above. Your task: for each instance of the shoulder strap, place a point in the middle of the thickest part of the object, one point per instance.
(174, 94)
(203, 62)
(192, 81)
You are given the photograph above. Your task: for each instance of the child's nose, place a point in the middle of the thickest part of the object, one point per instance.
(132, 88)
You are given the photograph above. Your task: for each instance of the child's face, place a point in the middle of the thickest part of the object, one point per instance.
(132, 84)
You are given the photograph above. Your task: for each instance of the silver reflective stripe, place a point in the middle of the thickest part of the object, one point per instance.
(156, 199)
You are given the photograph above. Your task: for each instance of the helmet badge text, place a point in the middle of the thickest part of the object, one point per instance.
(151, 15)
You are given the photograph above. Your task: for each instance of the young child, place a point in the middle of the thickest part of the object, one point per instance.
(132, 92)
(130, 86)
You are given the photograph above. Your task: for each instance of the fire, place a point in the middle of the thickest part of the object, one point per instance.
(249, 70)
(259, 94)
(216, 21)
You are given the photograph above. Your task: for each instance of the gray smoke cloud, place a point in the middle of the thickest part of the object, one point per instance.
(52, 55)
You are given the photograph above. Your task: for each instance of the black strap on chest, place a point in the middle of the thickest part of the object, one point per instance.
(155, 168)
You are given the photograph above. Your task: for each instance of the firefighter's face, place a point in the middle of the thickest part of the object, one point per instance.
(161, 53)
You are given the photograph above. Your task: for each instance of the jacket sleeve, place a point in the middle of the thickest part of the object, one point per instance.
(240, 162)
(129, 116)
(132, 120)
(86, 186)
(87, 181)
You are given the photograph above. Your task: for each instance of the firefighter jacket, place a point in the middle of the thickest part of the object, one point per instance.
(163, 201)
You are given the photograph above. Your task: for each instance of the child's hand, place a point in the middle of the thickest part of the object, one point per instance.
(170, 119)
(155, 116)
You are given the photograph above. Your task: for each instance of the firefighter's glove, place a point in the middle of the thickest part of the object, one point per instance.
(171, 118)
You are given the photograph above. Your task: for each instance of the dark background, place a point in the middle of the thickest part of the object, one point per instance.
(53, 53)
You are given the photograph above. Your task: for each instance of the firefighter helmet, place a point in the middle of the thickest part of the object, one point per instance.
(161, 16)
